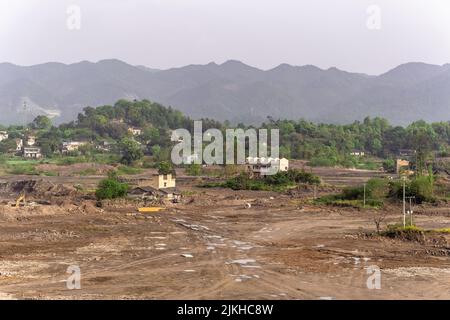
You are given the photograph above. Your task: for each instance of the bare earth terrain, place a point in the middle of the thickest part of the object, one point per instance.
(212, 246)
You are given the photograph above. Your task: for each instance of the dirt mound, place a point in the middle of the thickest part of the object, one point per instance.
(89, 208)
(37, 188)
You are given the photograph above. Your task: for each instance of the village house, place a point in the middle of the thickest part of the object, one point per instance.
(403, 167)
(31, 141)
(357, 153)
(19, 144)
(265, 166)
(70, 146)
(3, 135)
(162, 181)
(149, 193)
(105, 146)
(32, 152)
(406, 153)
(135, 131)
(160, 186)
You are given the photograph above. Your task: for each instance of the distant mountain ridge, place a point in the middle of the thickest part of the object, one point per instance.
(230, 91)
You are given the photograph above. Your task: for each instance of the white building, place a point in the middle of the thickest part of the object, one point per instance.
(357, 153)
(32, 152)
(31, 140)
(19, 145)
(3, 135)
(266, 166)
(69, 146)
(135, 131)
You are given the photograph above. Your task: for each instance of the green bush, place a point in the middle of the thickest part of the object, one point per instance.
(194, 170)
(376, 189)
(409, 232)
(389, 165)
(422, 188)
(111, 188)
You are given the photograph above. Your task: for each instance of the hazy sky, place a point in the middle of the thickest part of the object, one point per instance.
(262, 33)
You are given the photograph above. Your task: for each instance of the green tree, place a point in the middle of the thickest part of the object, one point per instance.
(7, 145)
(165, 167)
(41, 123)
(131, 150)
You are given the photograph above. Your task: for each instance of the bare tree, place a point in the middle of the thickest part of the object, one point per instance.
(378, 217)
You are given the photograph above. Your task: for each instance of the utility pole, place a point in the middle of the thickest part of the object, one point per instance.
(364, 205)
(25, 114)
(404, 202)
(410, 211)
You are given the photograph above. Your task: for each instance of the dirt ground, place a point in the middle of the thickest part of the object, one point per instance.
(213, 246)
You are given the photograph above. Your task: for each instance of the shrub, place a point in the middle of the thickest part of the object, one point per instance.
(377, 188)
(111, 188)
(302, 176)
(389, 165)
(194, 170)
(410, 232)
(422, 188)
(353, 193)
(165, 167)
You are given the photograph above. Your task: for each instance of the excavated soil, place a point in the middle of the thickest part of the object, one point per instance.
(217, 244)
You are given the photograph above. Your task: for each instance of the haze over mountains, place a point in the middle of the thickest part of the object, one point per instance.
(229, 91)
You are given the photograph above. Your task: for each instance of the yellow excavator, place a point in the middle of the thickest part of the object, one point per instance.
(21, 199)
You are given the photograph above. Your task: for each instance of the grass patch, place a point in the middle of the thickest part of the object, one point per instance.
(409, 232)
(443, 230)
(67, 161)
(338, 200)
(128, 170)
(22, 169)
(87, 172)
(48, 173)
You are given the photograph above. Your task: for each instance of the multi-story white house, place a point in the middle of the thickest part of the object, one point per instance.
(32, 152)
